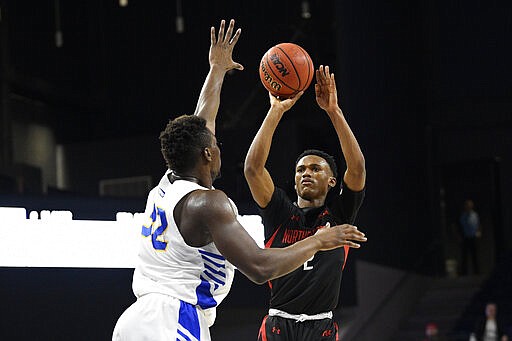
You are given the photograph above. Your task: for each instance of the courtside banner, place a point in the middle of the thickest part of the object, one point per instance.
(55, 239)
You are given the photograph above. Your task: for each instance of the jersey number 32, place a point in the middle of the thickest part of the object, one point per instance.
(156, 228)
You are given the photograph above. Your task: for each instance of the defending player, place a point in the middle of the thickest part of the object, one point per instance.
(302, 302)
(192, 240)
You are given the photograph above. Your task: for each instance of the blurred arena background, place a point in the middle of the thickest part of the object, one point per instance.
(86, 87)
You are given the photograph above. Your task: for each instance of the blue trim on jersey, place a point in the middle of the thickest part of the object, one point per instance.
(210, 277)
(204, 296)
(217, 272)
(214, 255)
(215, 279)
(189, 320)
(161, 192)
(219, 265)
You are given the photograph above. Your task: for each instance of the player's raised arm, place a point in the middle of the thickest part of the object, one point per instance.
(257, 176)
(213, 210)
(221, 61)
(327, 99)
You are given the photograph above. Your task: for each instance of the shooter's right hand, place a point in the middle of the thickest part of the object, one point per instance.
(283, 105)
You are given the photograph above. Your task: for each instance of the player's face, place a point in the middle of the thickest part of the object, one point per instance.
(313, 178)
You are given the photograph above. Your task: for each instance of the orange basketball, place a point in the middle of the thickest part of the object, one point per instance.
(286, 69)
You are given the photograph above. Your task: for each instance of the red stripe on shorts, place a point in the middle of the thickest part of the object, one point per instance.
(346, 256)
(262, 336)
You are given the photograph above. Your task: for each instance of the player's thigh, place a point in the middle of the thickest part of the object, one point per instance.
(275, 328)
(321, 330)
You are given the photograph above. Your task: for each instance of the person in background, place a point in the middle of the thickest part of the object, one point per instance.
(432, 333)
(469, 221)
(489, 327)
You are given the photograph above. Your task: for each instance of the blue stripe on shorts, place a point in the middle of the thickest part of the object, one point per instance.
(189, 320)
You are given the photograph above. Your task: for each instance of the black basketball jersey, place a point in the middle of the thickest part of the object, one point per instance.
(314, 287)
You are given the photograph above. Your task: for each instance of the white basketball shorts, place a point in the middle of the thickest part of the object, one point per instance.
(160, 317)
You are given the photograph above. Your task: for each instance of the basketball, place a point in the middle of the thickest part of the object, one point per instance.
(286, 69)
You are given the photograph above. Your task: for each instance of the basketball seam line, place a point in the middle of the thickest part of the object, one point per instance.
(294, 68)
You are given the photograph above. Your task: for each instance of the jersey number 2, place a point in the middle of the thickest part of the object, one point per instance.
(308, 267)
(156, 228)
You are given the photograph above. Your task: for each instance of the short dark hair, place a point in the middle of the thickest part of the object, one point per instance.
(328, 158)
(183, 140)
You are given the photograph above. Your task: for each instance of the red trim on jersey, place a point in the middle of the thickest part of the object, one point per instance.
(269, 243)
(346, 256)
(337, 329)
(262, 335)
(324, 213)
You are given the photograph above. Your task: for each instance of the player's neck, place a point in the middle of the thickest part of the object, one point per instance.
(173, 176)
(303, 203)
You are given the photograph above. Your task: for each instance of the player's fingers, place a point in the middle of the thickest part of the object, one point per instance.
(348, 227)
(296, 97)
(272, 97)
(352, 230)
(238, 66)
(327, 74)
(212, 36)
(235, 37)
(321, 72)
(352, 244)
(221, 30)
(359, 236)
(229, 32)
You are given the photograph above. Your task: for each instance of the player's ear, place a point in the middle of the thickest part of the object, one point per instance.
(207, 153)
(332, 182)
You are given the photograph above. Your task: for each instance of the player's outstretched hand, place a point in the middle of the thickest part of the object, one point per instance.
(221, 48)
(325, 89)
(339, 235)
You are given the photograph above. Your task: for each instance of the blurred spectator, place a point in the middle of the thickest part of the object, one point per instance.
(432, 333)
(470, 228)
(490, 327)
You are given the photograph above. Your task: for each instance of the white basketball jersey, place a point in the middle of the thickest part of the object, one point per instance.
(166, 264)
